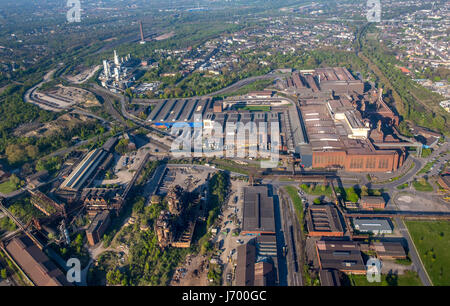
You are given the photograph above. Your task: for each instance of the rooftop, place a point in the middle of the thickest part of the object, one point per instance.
(258, 211)
(323, 218)
(365, 224)
(343, 256)
(36, 265)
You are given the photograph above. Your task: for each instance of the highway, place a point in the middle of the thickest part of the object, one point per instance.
(233, 87)
(28, 97)
(242, 83)
(108, 94)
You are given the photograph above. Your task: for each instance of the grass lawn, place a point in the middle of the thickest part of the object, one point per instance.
(298, 204)
(7, 187)
(235, 169)
(426, 153)
(425, 186)
(410, 278)
(402, 186)
(255, 86)
(256, 108)
(432, 240)
(318, 190)
(427, 167)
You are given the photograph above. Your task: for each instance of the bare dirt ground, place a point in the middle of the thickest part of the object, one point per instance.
(390, 266)
(193, 272)
(190, 178)
(66, 121)
(65, 96)
(165, 36)
(83, 76)
(123, 171)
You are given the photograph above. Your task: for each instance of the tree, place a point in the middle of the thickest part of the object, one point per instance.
(364, 191)
(205, 247)
(352, 196)
(14, 180)
(115, 277)
(32, 151)
(15, 154)
(122, 146)
(3, 273)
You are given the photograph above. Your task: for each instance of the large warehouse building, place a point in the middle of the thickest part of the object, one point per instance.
(314, 83)
(340, 138)
(257, 262)
(240, 124)
(85, 168)
(34, 263)
(344, 256)
(258, 211)
(324, 221)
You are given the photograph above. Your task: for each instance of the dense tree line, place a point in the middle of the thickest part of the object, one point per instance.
(430, 116)
(218, 188)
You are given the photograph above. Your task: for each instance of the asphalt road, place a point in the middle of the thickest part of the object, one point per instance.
(418, 164)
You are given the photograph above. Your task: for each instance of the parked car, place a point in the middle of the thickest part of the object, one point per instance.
(229, 277)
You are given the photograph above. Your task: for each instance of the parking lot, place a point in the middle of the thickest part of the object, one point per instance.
(416, 201)
(228, 236)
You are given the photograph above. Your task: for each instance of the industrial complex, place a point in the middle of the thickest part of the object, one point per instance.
(322, 123)
(258, 212)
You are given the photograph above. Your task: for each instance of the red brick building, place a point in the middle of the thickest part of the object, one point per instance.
(370, 203)
(359, 160)
(98, 227)
(323, 221)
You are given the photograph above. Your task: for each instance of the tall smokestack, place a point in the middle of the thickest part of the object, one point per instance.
(116, 59)
(142, 32)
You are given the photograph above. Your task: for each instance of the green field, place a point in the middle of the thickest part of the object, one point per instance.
(408, 279)
(427, 167)
(231, 168)
(318, 189)
(402, 186)
(7, 187)
(422, 186)
(256, 108)
(255, 86)
(432, 240)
